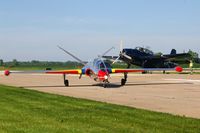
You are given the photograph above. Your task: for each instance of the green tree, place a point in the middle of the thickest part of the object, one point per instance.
(194, 55)
(159, 54)
(15, 62)
(1, 62)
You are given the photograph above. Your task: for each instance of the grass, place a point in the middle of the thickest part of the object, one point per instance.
(30, 111)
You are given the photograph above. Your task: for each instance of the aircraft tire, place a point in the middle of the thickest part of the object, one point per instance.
(145, 72)
(123, 81)
(66, 82)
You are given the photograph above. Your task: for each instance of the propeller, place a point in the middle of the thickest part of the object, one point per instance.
(115, 60)
(107, 51)
(120, 53)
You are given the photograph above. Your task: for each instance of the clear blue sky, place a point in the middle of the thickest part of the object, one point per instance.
(31, 29)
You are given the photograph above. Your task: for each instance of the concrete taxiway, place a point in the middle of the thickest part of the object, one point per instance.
(177, 94)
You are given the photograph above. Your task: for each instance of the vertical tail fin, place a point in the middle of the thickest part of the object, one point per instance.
(173, 52)
(79, 60)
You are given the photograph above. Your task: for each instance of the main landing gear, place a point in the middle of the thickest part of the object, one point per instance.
(66, 82)
(123, 81)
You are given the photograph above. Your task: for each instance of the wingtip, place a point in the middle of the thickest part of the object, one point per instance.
(6, 72)
(179, 69)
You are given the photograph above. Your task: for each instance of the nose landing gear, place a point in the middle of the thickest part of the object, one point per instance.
(105, 83)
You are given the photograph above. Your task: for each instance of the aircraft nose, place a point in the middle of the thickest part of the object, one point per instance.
(102, 75)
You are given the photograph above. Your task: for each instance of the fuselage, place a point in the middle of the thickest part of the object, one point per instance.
(145, 58)
(97, 69)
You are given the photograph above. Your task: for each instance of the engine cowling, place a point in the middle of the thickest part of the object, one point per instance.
(102, 75)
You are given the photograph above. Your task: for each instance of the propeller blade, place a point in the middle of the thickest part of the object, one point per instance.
(121, 46)
(120, 51)
(107, 52)
(116, 60)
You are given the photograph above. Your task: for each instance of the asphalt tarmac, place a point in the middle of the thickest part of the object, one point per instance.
(177, 94)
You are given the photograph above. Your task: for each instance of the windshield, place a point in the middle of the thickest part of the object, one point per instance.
(145, 50)
(99, 64)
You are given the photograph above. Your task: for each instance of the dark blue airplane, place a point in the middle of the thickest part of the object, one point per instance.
(145, 58)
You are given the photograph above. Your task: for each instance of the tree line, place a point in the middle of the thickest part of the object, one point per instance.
(34, 63)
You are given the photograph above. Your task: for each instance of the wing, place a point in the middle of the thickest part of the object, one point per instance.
(178, 69)
(182, 56)
(72, 71)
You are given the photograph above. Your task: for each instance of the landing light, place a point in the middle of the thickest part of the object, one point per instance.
(105, 77)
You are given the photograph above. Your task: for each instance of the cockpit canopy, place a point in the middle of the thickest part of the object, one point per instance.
(100, 64)
(145, 50)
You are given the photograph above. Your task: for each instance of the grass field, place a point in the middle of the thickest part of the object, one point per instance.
(24, 110)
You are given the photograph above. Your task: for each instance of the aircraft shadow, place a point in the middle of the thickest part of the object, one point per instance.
(73, 86)
(111, 85)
